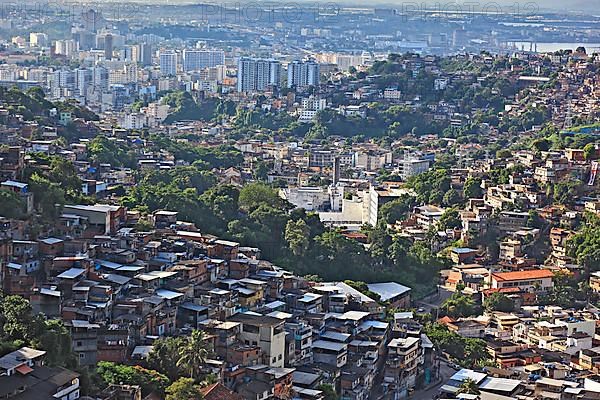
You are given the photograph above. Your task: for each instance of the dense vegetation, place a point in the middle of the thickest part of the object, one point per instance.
(255, 215)
(20, 326)
(460, 305)
(585, 245)
(149, 380)
(174, 368)
(185, 107)
(11, 205)
(32, 105)
(467, 352)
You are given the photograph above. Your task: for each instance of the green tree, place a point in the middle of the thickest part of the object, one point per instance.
(19, 326)
(165, 355)
(102, 150)
(56, 340)
(472, 188)
(11, 205)
(468, 386)
(584, 246)
(17, 320)
(498, 302)
(256, 194)
(363, 288)
(589, 151)
(450, 219)
(566, 289)
(261, 171)
(396, 210)
(503, 154)
(297, 236)
(451, 197)
(540, 145)
(329, 392)
(313, 278)
(534, 220)
(459, 305)
(183, 389)
(223, 201)
(468, 352)
(48, 196)
(430, 186)
(193, 354)
(64, 173)
(564, 192)
(379, 243)
(150, 381)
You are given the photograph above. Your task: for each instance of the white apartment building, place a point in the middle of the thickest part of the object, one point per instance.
(310, 108)
(392, 94)
(168, 63)
(410, 167)
(196, 60)
(302, 74)
(266, 332)
(37, 39)
(256, 75)
(309, 198)
(216, 73)
(66, 48)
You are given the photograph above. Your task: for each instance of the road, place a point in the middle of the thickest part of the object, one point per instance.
(431, 303)
(430, 393)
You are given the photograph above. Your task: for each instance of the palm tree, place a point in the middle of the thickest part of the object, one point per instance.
(193, 354)
(165, 355)
(469, 386)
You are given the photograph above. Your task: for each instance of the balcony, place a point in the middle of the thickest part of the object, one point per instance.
(395, 363)
(303, 333)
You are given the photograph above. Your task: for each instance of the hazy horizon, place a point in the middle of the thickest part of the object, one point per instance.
(591, 6)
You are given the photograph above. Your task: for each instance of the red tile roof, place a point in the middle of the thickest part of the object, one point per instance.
(523, 275)
(501, 290)
(446, 320)
(219, 392)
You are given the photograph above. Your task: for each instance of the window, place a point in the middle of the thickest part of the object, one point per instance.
(81, 355)
(280, 356)
(250, 328)
(79, 343)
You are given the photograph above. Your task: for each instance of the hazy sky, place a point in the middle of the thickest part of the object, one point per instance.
(591, 7)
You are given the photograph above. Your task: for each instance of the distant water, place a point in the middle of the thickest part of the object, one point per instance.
(552, 47)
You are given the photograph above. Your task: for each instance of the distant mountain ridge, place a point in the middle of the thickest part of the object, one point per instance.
(589, 6)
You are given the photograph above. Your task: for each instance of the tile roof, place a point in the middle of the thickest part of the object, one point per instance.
(523, 275)
(219, 392)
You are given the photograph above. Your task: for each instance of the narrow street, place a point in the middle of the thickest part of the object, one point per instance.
(430, 393)
(433, 302)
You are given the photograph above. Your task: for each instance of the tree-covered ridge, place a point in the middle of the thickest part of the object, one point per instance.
(476, 91)
(32, 104)
(223, 156)
(256, 216)
(185, 107)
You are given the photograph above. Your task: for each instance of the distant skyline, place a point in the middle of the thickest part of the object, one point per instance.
(554, 5)
(589, 6)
